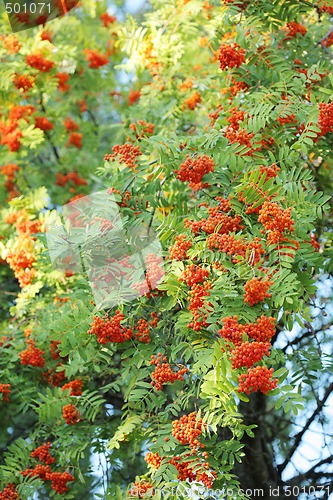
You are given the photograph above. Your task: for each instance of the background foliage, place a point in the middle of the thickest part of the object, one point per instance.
(215, 123)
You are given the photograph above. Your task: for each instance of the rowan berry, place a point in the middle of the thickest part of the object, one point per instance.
(153, 460)
(187, 430)
(70, 414)
(59, 481)
(75, 387)
(194, 169)
(110, 329)
(37, 61)
(325, 120)
(256, 290)
(32, 356)
(9, 493)
(249, 353)
(5, 391)
(43, 123)
(231, 56)
(42, 453)
(194, 274)
(293, 28)
(193, 101)
(95, 58)
(163, 373)
(178, 251)
(140, 488)
(127, 153)
(257, 379)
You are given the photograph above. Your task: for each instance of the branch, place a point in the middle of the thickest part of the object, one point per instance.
(311, 474)
(300, 435)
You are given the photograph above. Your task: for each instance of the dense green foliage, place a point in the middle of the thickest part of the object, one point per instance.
(215, 122)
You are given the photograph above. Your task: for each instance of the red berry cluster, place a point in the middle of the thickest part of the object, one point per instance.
(32, 356)
(42, 453)
(37, 61)
(197, 296)
(194, 274)
(75, 387)
(293, 28)
(63, 77)
(325, 120)
(270, 172)
(70, 414)
(240, 136)
(187, 430)
(189, 471)
(257, 379)
(231, 56)
(24, 82)
(163, 373)
(324, 7)
(43, 123)
(5, 391)
(154, 273)
(194, 169)
(11, 43)
(95, 58)
(153, 460)
(75, 139)
(287, 119)
(72, 177)
(261, 331)
(249, 353)
(140, 488)
(110, 330)
(107, 19)
(145, 128)
(256, 290)
(9, 171)
(127, 153)
(228, 244)
(53, 377)
(236, 117)
(193, 101)
(217, 220)
(276, 220)
(178, 251)
(9, 493)
(58, 480)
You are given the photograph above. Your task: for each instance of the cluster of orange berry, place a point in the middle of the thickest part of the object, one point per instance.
(237, 116)
(140, 488)
(257, 379)
(193, 101)
(261, 331)
(163, 373)
(293, 28)
(42, 453)
(275, 220)
(187, 430)
(193, 170)
(75, 387)
(231, 55)
(11, 43)
(9, 171)
(217, 220)
(127, 154)
(32, 356)
(228, 244)
(288, 119)
(9, 493)
(197, 296)
(249, 353)
(95, 58)
(256, 290)
(5, 391)
(178, 251)
(58, 480)
(63, 77)
(37, 61)
(194, 274)
(70, 414)
(241, 137)
(110, 329)
(43, 123)
(63, 179)
(325, 120)
(145, 128)
(324, 6)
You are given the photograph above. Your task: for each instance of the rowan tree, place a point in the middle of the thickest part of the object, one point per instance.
(207, 127)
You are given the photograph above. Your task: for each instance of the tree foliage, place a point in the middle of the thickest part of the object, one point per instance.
(215, 122)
